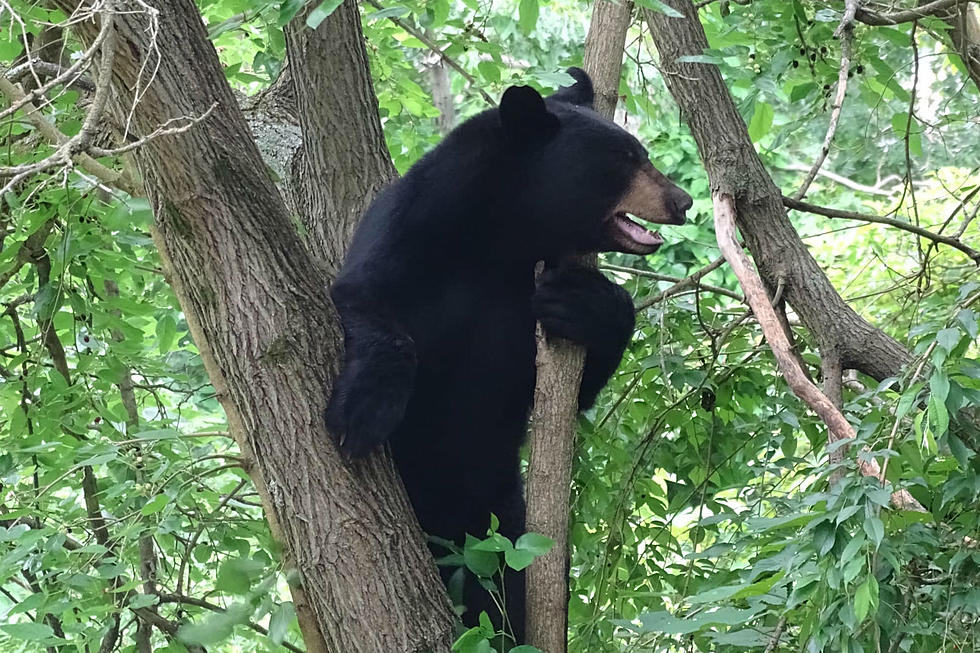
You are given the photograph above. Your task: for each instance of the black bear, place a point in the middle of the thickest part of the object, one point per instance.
(438, 301)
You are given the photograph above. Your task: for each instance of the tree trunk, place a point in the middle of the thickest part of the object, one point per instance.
(344, 160)
(559, 375)
(257, 307)
(734, 168)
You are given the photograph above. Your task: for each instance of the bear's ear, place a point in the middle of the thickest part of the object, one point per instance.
(580, 93)
(523, 114)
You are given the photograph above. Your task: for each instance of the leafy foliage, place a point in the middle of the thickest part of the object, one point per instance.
(704, 513)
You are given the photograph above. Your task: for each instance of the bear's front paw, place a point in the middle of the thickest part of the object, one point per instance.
(360, 424)
(370, 398)
(581, 305)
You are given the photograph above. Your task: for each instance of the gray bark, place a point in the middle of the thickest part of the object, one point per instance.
(256, 302)
(735, 168)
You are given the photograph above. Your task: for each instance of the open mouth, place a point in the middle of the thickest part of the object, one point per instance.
(625, 235)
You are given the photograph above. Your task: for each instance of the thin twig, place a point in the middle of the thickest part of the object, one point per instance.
(796, 205)
(40, 68)
(672, 279)
(432, 45)
(682, 285)
(845, 31)
(72, 71)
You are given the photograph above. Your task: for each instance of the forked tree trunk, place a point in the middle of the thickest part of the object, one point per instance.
(734, 168)
(257, 306)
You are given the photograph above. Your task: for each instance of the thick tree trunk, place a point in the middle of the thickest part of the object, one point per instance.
(559, 375)
(344, 160)
(734, 168)
(258, 310)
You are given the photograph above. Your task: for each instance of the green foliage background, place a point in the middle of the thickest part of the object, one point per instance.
(703, 518)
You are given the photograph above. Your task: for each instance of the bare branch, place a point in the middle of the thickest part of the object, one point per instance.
(718, 290)
(682, 285)
(871, 17)
(37, 68)
(71, 73)
(162, 130)
(796, 205)
(802, 387)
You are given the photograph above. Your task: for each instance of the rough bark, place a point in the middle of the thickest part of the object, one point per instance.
(344, 160)
(604, 46)
(734, 168)
(559, 374)
(963, 22)
(257, 307)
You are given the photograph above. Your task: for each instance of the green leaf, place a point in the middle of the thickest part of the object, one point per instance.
(482, 563)
(143, 601)
(517, 559)
(166, 331)
(389, 12)
(527, 12)
(875, 530)
(322, 12)
(968, 319)
(489, 70)
(495, 542)
(699, 58)
(525, 648)
(660, 7)
(154, 505)
(534, 543)
(800, 91)
(236, 575)
(948, 339)
(31, 632)
(288, 10)
(866, 598)
(214, 628)
(761, 121)
(280, 620)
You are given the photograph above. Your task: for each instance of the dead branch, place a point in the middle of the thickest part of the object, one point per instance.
(802, 387)
(718, 290)
(950, 241)
(41, 69)
(53, 136)
(73, 72)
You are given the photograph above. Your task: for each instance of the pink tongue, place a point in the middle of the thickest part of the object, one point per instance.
(637, 233)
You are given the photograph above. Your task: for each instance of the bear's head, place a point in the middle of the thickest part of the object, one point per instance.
(584, 176)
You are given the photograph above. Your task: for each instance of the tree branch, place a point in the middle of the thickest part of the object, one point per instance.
(799, 383)
(950, 241)
(441, 53)
(871, 17)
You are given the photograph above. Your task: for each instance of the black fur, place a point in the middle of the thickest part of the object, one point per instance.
(438, 302)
